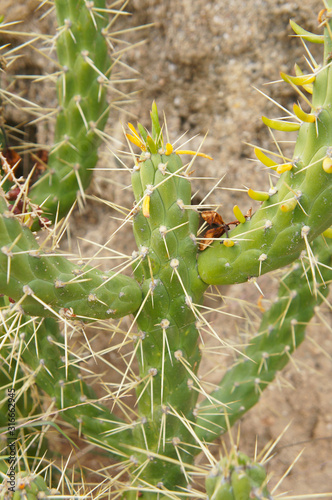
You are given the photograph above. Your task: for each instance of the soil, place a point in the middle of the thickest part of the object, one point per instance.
(203, 61)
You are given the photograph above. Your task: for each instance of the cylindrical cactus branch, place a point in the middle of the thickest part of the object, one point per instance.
(28, 486)
(299, 207)
(85, 67)
(237, 477)
(18, 393)
(48, 284)
(41, 349)
(281, 331)
(165, 226)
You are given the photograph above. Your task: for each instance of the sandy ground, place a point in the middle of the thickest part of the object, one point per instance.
(201, 61)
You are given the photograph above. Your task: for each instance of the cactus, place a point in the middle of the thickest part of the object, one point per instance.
(157, 440)
(85, 63)
(294, 211)
(30, 486)
(236, 477)
(61, 380)
(270, 349)
(54, 283)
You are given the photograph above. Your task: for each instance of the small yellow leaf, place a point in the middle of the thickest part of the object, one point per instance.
(328, 233)
(285, 167)
(298, 80)
(136, 141)
(281, 125)
(306, 35)
(229, 243)
(239, 215)
(265, 159)
(169, 149)
(289, 205)
(302, 115)
(258, 195)
(327, 165)
(146, 206)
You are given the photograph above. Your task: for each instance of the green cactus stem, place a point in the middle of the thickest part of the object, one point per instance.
(236, 477)
(42, 353)
(281, 331)
(298, 208)
(48, 284)
(85, 64)
(27, 487)
(165, 226)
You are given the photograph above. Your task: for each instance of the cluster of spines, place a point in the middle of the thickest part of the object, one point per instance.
(48, 284)
(27, 487)
(44, 353)
(18, 394)
(85, 66)
(236, 477)
(165, 226)
(281, 331)
(298, 208)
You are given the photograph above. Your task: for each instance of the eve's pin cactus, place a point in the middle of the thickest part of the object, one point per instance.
(157, 440)
(29, 487)
(85, 67)
(236, 476)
